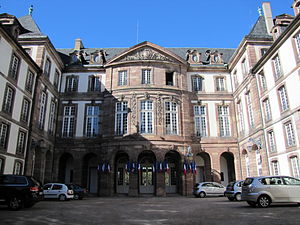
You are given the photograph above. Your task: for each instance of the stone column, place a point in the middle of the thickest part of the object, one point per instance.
(160, 179)
(77, 170)
(133, 179)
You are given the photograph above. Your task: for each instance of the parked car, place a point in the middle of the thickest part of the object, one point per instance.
(234, 190)
(264, 190)
(58, 191)
(79, 192)
(19, 191)
(208, 188)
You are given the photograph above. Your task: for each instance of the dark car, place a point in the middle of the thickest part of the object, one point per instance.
(79, 192)
(19, 191)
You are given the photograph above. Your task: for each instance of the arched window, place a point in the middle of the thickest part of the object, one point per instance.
(18, 168)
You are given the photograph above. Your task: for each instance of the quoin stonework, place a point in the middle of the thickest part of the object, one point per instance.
(148, 119)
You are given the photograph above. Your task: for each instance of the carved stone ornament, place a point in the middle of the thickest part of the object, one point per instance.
(159, 109)
(133, 109)
(78, 57)
(211, 57)
(98, 57)
(193, 57)
(146, 54)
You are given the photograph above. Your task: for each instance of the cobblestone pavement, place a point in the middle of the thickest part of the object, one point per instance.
(151, 210)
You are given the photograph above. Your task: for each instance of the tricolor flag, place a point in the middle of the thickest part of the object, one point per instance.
(160, 167)
(108, 167)
(184, 168)
(139, 167)
(99, 167)
(103, 167)
(127, 167)
(132, 167)
(167, 169)
(154, 167)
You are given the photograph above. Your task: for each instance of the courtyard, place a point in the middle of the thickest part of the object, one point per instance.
(151, 210)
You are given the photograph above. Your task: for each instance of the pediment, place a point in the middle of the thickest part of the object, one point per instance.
(146, 51)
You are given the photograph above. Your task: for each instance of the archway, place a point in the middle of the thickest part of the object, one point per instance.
(66, 168)
(172, 178)
(203, 163)
(147, 176)
(90, 173)
(121, 174)
(37, 169)
(227, 168)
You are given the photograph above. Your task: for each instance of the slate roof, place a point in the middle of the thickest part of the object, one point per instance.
(181, 52)
(259, 30)
(29, 24)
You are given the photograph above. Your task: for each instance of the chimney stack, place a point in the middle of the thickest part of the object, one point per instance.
(268, 16)
(78, 44)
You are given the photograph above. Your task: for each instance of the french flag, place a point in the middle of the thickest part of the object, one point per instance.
(127, 167)
(108, 167)
(154, 167)
(133, 167)
(103, 167)
(99, 167)
(160, 167)
(184, 168)
(167, 169)
(139, 167)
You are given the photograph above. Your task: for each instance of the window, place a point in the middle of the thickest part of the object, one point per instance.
(263, 51)
(8, 100)
(250, 109)
(197, 83)
(56, 79)
(146, 117)
(224, 123)
(94, 83)
(69, 121)
(244, 67)
(47, 68)
(92, 121)
(247, 165)
(297, 41)
(283, 98)
(2, 161)
(275, 167)
(71, 83)
(43, 102)
(122, 79)
(4, 134)
(271, 141)
(25, 110)
(21, 143)
(52, 119)
(277, 67)
(220, 84)
(235, 80)
(295, 166)
(121, 118)
(200, 121)
(263, 83)
(14, 67)
(289, 132)
(267, 109)
(29, 81)
(171, 118)
(18, 168)
(258, 162)
(146, 76)
(170, 78)
(241, 116)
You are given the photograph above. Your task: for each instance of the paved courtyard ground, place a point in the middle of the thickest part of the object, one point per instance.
(151, 210)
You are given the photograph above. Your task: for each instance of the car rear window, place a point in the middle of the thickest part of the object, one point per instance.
(230, 184)
(248, 181)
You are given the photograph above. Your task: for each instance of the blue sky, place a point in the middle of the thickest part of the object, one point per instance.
(168, 23)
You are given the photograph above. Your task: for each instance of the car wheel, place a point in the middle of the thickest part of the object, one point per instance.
(15, 203)
(263, 201)
(202, 194)
(230, 198)
(76, 196)
(62, 198)
(251, 203)
(238, 197)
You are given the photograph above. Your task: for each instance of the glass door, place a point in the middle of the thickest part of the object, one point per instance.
(147, 179)
(122, 179)
(171, 179)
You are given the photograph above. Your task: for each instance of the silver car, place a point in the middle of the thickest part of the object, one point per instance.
(234, 190)
(208, 188)
(58, 191)
(265, 190)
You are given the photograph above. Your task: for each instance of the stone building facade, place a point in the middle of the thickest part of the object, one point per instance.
(154, 120)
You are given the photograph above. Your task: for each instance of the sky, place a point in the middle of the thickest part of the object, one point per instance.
(124, 23)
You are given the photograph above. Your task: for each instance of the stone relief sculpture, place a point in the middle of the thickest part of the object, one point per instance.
(133, 109)
(146, 54)
(193, 57)
(159, 109)
(78, 57)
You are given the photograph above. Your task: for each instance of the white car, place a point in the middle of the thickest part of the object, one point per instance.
(57, 191)
(208, 188)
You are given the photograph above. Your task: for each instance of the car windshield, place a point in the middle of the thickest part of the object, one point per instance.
(248, 181)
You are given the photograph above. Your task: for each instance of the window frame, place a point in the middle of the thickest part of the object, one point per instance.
(70, 132)
(284, 105)
(93, 116)
(289, 134)
(42, 110)
(4, 147)
(29, 81)
(148, 76)
(123, 117)
(52, 117)
(224, 123)
(173, 117)
(14, 73)
(221, 88)
(47, 67)
(271, 141)
(73, 87)
(15, 167)
(21, 147)
(5, 108)
(196, 88)
(122, 78)
(277, 67)
(201, 116)
(92, 84)
(25, 117)
(267, 109)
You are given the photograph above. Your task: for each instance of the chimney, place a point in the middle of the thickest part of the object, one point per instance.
(268, 16)
(78, 44)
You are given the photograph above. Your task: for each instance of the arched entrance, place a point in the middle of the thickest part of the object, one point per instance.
(227, 168)
(147, 175)
(90, 173)
(203, 163)
(66, 168)
(172, 176)
(121, 174)
(37, 169)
